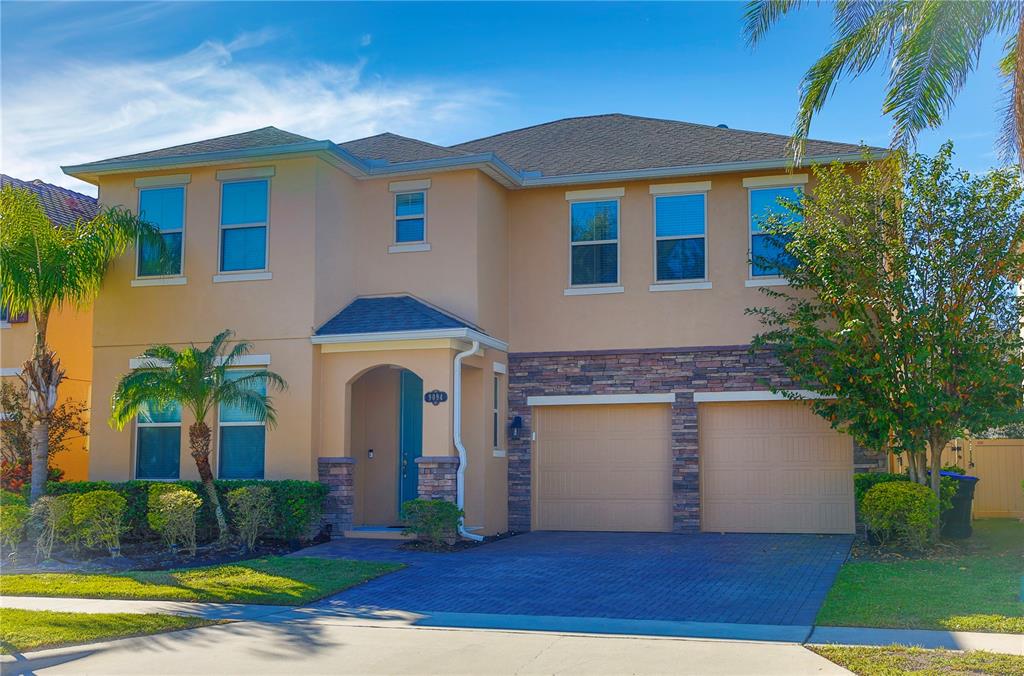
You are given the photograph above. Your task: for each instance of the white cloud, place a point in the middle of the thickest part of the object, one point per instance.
(366, 40)
(83, 111)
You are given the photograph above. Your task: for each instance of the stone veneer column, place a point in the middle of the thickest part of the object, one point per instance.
(437, 477)
(338, 474)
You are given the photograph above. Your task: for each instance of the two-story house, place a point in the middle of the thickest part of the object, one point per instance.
(68, 330)
(546, 325)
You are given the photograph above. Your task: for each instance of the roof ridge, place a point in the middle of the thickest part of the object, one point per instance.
(531, 126)
(406, 138)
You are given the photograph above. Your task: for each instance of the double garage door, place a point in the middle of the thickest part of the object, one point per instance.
(770, 467)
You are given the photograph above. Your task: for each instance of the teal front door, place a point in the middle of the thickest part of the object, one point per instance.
(410, 436)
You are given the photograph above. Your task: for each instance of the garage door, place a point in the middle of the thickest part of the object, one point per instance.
(602, 467)
(773, 467)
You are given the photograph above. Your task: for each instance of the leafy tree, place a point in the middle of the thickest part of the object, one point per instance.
(902, 305)
(931, 45)
(44, 267)
(199, 380)
(67, 422)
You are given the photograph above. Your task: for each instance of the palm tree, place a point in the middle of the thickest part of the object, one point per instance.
(931, 46)
(44, 267)
(197, 379)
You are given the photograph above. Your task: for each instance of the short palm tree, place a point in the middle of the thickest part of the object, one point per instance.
(44, 267)
(931, 46)
(197, 379)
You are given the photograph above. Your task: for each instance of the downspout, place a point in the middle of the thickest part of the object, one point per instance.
(460, 475)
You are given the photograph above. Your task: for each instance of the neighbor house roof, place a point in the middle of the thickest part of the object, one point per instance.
(616, 142)
(62, 206)
(388, 314)
(570, 151)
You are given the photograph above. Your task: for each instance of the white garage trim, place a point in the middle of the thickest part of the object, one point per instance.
(583, 399)
(752, 395)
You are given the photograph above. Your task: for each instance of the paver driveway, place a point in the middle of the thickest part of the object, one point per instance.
(745, 578)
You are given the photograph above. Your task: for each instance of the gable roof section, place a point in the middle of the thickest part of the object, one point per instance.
(616, 142)
(393, 148)
(267, 137)
(62, 206)
(389, 314)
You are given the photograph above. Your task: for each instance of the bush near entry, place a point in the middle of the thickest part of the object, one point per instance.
(432, 521)
(901, 511)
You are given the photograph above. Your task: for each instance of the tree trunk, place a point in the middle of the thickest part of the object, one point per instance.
(41, 376)
(199, 442)
(937, 444)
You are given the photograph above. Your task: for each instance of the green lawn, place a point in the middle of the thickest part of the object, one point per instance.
(22, 630)
(897, 660)
(278, 580)
(975, 589)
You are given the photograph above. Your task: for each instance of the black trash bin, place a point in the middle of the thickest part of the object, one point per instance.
(956, 521)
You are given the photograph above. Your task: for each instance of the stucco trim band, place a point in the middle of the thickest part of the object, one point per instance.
(774, 181)
(585, 399)
(244, 360)
(409, 186)
(162, 181)
(596, 193)
(752, 395)
(680, 188)
(465, 333)
(249, 172)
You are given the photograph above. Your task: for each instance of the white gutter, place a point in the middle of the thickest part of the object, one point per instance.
(460, 475)
(421, 334)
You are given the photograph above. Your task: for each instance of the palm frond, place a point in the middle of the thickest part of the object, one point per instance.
(1010, 143)
(760, 15)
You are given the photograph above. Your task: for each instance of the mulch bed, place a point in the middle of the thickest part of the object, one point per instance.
(457, 546)
(145, 555)
(862, 550)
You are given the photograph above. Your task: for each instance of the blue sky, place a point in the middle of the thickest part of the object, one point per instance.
(85, 81)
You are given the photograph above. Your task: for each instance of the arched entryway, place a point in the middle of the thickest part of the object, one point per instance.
(386, 417)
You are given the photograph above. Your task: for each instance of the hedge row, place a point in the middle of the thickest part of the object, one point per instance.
(297, 504)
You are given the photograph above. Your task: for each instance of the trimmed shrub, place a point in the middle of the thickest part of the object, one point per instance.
(297, 504)
(14, 514)
(252, 513)
(154, 516)
(175, 512)
(433, 521)
(863, 482)
(53, 521)
(99, 520)
(901, 511)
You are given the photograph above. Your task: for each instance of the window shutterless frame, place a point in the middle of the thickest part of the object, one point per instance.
(408, 217)
(221, 228)
(750, 232)
(704, 236)
(139, 425)
(618, 247)
(221, 424)
(184, 220)
(496, 412)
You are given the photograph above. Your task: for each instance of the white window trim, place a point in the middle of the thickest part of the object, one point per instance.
(394, 226)
(679, 286)
(704, 236)
(176, 280)
(600, 287)
(680, 188)
(752, 279)
(140, 425)
(245, 174)
(10, 371)
(241, 277)
(497, 438)
(167, 181)
(594, 194)
(410, 248)
(221, 227)
(141, 280)
(751, 395)
(601, 399)
(420, 185)
(498, 367)
(5, 324)
(777, 181)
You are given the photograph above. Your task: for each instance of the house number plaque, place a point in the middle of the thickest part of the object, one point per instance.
(435, 397)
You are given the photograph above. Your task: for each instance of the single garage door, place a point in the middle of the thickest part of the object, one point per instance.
(773, 467)
(602, 467)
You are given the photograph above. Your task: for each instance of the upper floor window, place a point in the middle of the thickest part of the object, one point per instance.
(410, 217)
(765, 250)
(164, 208)
(243, 437)
(680, 244)
(594, 244)
(244, 207)
(158, 442)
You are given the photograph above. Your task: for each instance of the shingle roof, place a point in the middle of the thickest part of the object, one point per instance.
(62, 206)
(267, 137)
(394, 148)
(619, 142)
(382, 314)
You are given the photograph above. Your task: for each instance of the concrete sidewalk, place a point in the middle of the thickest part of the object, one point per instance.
(331, 614)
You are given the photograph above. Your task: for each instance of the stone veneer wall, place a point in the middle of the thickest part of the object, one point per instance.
(679, 370)
(437, 480)
(338, 474)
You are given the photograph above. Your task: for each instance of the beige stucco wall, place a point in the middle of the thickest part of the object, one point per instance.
(544, 319)
(67, 334)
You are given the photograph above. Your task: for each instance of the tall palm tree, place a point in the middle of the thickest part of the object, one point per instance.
(931, 46)
(44, 267)
(198, 380)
